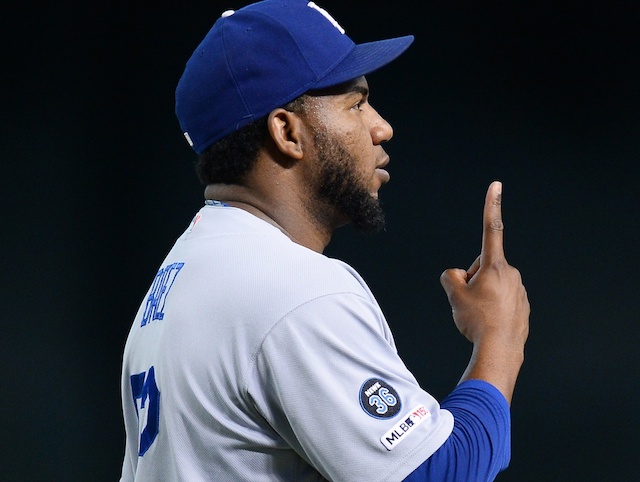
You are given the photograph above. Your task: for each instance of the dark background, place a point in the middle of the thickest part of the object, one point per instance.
(97, 183)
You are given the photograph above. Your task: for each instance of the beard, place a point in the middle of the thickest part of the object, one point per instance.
(340, 187)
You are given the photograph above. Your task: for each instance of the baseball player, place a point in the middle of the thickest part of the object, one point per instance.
(253, 356)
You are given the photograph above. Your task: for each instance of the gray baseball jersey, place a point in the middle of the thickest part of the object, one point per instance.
(253, 358)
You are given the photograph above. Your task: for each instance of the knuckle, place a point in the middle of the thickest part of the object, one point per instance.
(500, 264)
(516, 275)
(496, 224)
(446, 281)
(448, 274)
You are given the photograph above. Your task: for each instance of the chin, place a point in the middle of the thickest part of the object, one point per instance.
(375, 193)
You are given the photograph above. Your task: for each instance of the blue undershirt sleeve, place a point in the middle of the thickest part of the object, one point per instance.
(480, 445)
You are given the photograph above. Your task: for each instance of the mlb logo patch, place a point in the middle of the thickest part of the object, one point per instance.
(402, 429)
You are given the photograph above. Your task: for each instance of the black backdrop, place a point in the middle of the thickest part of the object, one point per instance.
(98, 181)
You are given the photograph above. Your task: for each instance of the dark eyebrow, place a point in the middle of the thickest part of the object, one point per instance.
(360, 89)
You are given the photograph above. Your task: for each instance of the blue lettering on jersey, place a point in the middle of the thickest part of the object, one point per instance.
(145, 390)
(154, 309)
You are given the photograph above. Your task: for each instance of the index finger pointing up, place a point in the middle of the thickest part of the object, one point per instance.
(493, 228)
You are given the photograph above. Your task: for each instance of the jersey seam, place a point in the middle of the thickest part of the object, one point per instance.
(254, 355)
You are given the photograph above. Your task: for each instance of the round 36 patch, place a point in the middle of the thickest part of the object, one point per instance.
(379, 399)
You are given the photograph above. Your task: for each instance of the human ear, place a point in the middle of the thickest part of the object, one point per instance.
(286, 128)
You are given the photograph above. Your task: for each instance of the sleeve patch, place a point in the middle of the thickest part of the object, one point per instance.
(379, 399)
(408, 424)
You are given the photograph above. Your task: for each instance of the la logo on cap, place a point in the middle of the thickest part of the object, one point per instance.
(326, 15)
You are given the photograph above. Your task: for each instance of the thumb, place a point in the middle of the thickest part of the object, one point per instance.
(452, 279)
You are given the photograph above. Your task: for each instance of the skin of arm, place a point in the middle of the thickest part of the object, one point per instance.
(490, 305)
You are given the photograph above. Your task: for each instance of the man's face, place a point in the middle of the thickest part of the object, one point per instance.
(348, 156)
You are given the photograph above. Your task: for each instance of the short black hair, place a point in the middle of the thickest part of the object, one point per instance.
(229, 160)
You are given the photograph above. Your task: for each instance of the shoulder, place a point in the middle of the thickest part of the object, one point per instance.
(232, 257)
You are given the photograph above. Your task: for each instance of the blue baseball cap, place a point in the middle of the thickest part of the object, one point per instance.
(263, 56)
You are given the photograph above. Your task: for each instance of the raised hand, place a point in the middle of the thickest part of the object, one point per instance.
(490, 305)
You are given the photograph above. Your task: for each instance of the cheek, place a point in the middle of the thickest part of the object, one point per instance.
(358, 142)
(351, 138)
(352, 130)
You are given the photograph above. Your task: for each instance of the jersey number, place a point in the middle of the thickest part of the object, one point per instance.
(146, 398)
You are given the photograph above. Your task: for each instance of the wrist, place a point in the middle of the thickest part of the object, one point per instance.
(496, 360)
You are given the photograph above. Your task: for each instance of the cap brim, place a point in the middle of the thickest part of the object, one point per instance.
(364, 59)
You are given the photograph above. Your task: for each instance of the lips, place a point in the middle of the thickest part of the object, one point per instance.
(382, 173)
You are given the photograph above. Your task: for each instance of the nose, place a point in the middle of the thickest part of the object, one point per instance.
(381, 130)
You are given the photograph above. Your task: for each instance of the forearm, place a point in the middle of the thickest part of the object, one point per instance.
(497, 361)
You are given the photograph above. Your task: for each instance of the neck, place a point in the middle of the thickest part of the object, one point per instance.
(288, 215)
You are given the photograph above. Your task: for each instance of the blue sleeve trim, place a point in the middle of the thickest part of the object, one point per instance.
(480, 444)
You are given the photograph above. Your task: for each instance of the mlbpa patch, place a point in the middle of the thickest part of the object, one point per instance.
(379, 399)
